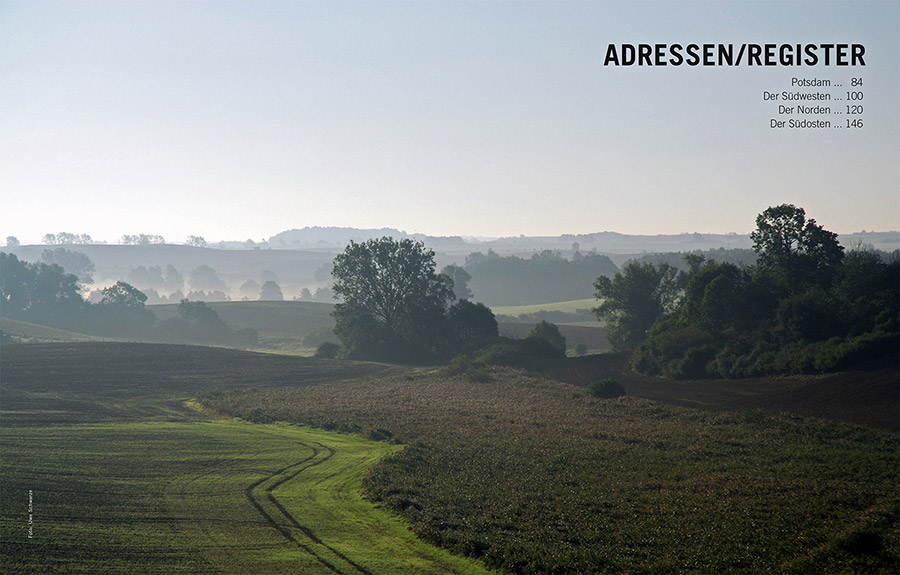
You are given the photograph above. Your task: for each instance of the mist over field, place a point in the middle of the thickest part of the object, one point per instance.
(593, 403)
(301, 259)
(435, 288)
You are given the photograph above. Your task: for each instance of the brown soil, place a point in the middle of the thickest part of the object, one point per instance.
(868, 395)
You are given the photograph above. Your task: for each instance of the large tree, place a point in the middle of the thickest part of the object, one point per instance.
(794, 248)
(394, 304)
(39, 292)
(121, 311)
(73, 262)
(634, 299)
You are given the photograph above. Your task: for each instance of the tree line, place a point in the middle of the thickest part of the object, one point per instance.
(802, 306)
(544, 277)
(396, 307)
(805, 306)
(43, 293)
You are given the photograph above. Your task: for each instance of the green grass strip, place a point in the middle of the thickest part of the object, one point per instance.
(203, 497)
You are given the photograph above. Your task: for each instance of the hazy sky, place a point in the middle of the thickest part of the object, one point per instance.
(237, 120)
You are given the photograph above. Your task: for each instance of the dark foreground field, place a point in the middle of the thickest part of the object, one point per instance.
(869, 395)
(530, 474)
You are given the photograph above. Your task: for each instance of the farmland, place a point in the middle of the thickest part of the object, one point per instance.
(281, 325)
(109, 472)
(200, 497)
(569, 307)
(527, 474)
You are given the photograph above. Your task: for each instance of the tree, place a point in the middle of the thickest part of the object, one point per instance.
(16, 281)
(12, 241)
(123, 295)
(196, 322)
(73, 262)
(512, 280)
(549, 332)
(196, 241)
(40, 292)
(714, 296)
(460, 279)
(323, 294)
(249, 290)
(270, 291)
(204, 277)
(472, 324)
(867, 288)
(634, 299)
(394, 304)
(795, 249)
(174, 279)
(143, 277)
(122, 310)
(142, 239)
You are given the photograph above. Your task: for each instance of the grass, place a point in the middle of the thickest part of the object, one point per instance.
(533, 476)
(281, 325)
(106, 471)
(32, 333)
(222, 496)
(526, 474)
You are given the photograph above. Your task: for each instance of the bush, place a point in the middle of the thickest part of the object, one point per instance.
(607, 388)
(531, 353)
(317, 336)
(473, 370)
(693, 365)
(327, 350)
(549, 332)
(247, 337)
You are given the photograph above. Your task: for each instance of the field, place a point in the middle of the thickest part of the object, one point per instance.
(30, 332)
(103, 477)
(573, 318)
(573, 306)
(533, 476)
(281, 324)
(526, 473)
(201, 497)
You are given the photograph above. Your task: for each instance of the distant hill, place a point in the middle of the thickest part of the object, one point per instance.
(621, 247)
(301, 258)
(339, 237)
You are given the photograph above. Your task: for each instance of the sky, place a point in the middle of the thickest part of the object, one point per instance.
(236, 120)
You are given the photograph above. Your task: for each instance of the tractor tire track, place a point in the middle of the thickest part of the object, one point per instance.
(306, 530)
(280, 527)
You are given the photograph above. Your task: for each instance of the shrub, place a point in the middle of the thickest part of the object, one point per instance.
(247, 337)
(327, 350)
(473, 370)
(317, 336)
(549, 332)
(607, 388)
(531, 353)
(693, 365)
